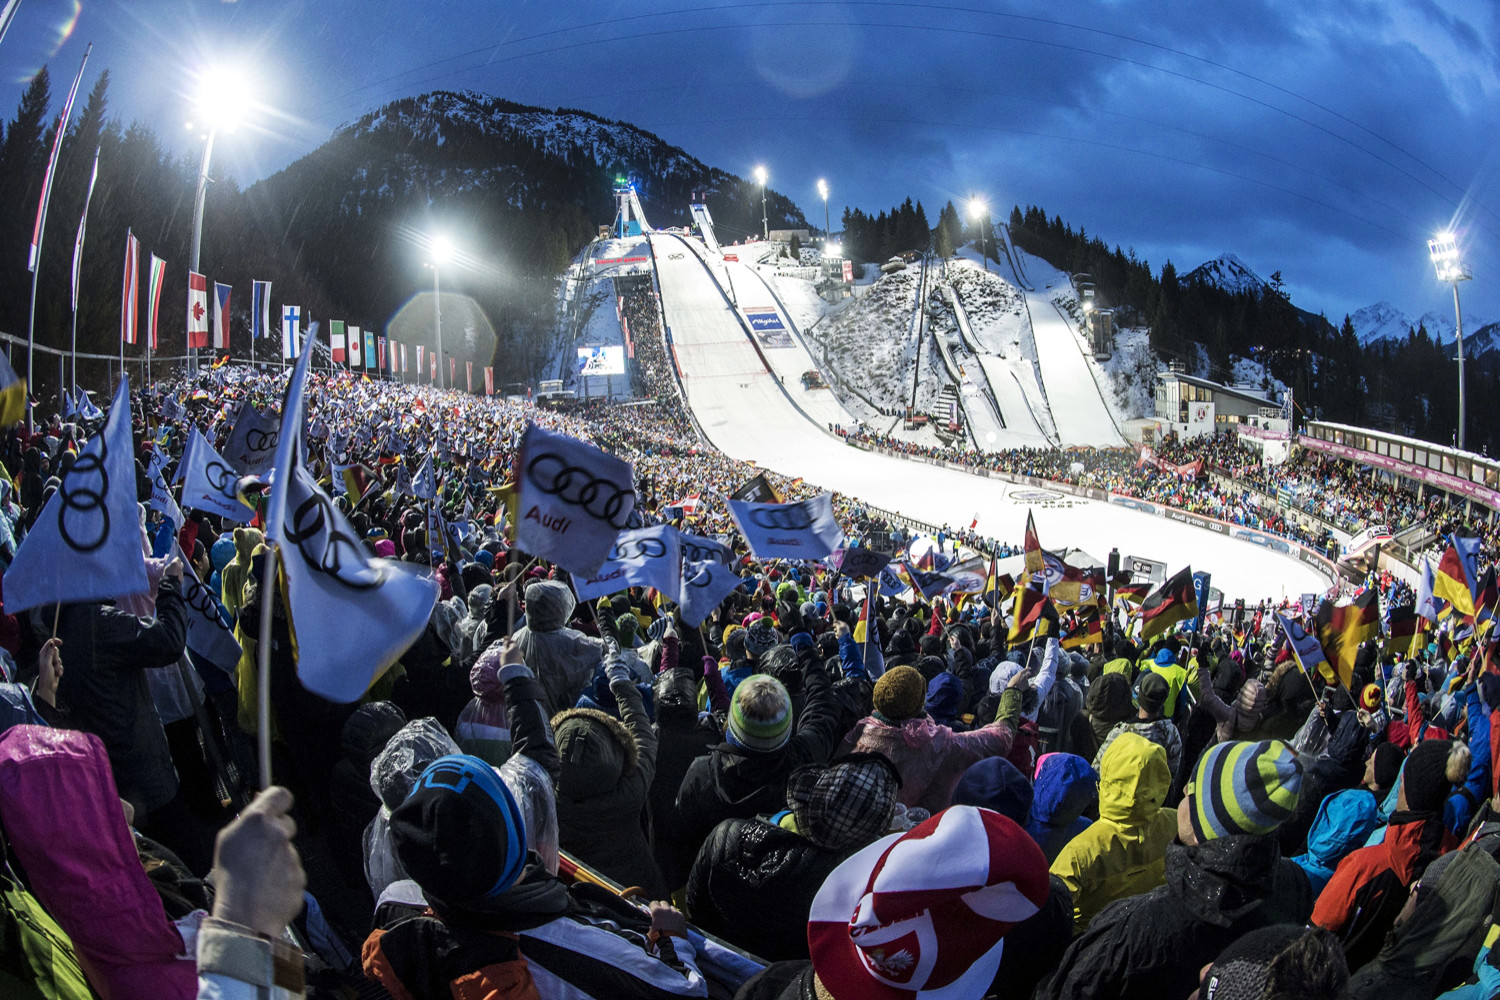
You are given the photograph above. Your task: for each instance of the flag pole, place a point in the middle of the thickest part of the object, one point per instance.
(263, 663)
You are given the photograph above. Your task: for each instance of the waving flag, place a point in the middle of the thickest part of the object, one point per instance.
(1457, 574)
(1030, 602)
(1033, 547)
(858, 562)
(575, 500)
(210, 483)
(130, 294)
(642, 557)
(221, 315)
(251, 447)
(489, 376)
(83, 224)
(260, 309)
(153, 302)
(336, 340)
(1087, 633)
(806, 529)
(1305, 647)
(1174, 601)
(424, 483)
(707, 577)
(351, 616)
(197, 311)
(86, 543)
(1428, 605)
(291, 334)
(61, 129)
(421, 348)
(370, 359)
(1342, 629)
(12, 394)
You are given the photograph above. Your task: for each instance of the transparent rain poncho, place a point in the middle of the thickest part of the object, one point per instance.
(392, 774)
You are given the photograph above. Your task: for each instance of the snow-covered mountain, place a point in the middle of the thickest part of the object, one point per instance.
(1384, 322)
(1229, 273)
(1381, 321)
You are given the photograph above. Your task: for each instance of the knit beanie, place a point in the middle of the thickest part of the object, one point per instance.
(760, 715)
(760, 636)
(1388, 759)
(901, 693)
(1244, 787)
(1427, 777)
(459, 834)
(1240, 971)
(627, 624)
(1151, 691)
(1370, 697)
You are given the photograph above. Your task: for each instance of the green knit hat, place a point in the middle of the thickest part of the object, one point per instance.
(901, 693)
(1244, 788)
(760, 716)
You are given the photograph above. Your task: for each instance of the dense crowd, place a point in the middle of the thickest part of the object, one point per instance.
(554, 800)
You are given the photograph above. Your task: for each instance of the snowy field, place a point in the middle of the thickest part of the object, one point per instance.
(746, 414)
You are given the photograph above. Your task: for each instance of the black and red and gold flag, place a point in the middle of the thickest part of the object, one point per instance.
(1341, 629)
(1174, 601)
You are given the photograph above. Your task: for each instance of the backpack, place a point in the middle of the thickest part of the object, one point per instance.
(34, 950)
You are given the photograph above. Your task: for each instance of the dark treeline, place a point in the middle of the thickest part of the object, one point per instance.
(1409, 387)
(340, 232)
(878, 238)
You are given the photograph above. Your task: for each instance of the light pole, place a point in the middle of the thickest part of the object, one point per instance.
(765, 225)
(823, 190)
(1450, 268)
(223, 98)
(440, 249)
(977, 210)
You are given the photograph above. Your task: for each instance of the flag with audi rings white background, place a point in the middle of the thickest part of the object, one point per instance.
(251, 447)
(802, 530)
(574, 501)
(86, 543)
(351, 615)
(641, 557)
(209, 483)
(708, 577)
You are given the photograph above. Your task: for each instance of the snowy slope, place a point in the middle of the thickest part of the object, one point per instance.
(1380, 321)
(1229, 273)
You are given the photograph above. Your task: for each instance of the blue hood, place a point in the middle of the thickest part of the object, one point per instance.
(1066, 785)
(1345, 820)
(945, 698)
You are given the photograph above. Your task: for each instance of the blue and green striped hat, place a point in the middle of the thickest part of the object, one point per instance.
(1244, 788)
(760, 717)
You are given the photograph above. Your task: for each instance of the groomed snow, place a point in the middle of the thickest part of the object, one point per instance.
(745, 414)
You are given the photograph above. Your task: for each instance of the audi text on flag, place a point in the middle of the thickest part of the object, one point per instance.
(197, 311)
(351, 616)
(210, 482)
(574, 500)
(86, 543)
(251, 447)
(802, 530)
(641, 557)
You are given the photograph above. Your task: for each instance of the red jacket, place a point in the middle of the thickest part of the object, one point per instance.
(1397, 853)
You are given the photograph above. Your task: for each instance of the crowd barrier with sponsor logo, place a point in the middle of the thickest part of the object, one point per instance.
(1267, 540)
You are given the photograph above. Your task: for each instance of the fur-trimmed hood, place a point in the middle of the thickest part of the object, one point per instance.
(596, 750)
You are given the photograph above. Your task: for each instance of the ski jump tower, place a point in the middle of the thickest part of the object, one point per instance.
(705, 223)
(629, 219)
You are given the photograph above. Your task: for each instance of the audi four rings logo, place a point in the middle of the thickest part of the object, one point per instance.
(693, 553)
(784, 517)
(640, 548)
(222, 478)
(606, 500)
(326, 549)
(83, 518)
(259, 440)
(197, 597)
(1035, 496)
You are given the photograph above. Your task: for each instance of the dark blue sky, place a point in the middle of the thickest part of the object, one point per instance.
(1326, 140)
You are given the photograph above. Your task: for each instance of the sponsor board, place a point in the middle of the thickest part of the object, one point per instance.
(767, 325)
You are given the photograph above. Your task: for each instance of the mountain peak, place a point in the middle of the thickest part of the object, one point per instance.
(1228, 272)
(1380, 321)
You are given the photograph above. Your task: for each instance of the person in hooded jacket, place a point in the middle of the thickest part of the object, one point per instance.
(1345, 819)
(1224, 878)
(1107, 704)
(1151, 693)
(945, 701)
(931, 757)
(1123, 852)
(562, 658)
(233, 576)
(1065, 787)
(607, 767)
(754, 881)
(353, 802)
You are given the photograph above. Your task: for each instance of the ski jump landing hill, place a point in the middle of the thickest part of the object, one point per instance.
(740, 360)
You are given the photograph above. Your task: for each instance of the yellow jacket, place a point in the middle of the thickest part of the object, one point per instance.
(1124, 851)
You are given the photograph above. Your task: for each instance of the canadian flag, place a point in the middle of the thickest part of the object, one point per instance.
(197, 311)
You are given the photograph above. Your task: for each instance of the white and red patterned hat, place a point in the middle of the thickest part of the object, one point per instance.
(921, 914)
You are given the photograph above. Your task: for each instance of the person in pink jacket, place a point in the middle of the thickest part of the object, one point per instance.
(930, 758)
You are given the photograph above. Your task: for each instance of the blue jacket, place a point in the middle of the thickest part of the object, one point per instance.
(1345, 819)
(945, 700)
(1065, 786)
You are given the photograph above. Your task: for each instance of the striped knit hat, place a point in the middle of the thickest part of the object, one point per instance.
(760, 716)
(1244, 788)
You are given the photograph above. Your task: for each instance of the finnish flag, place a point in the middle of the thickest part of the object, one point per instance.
(291, 321)
(803, 530)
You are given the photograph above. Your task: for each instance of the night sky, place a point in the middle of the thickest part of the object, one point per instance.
(1326, 140)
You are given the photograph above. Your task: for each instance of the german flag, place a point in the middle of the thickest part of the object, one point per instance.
(221, 362)
(1089, 633)
(1029, 604)
(1404, 622)
(1342, 629)
(862, 627)
(1134, 593)
(1034, 561)
(1456, 578)
(1174, 601)
(1487, 597)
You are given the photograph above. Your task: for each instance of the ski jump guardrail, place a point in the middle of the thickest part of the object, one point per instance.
(1267, 540)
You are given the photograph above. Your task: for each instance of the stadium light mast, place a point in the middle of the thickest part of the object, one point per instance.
(977, 210)
(1443, 249)
(765, 225)
(440, 250)
(823, 190)
(222, 101)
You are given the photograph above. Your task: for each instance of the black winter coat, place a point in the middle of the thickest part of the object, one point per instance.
(753, 884)
(1154, 945)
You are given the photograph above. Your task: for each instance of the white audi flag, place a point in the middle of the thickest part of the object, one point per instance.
(210, 482)
(351, 615)
(86, 543)
(803, 530)
(642, 557)
(708, 577)
(251, 447)
(574, 501)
